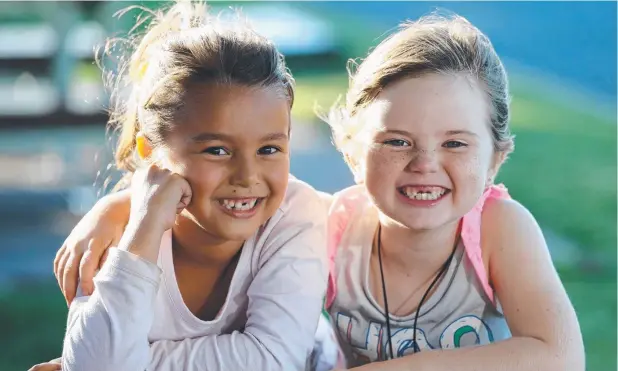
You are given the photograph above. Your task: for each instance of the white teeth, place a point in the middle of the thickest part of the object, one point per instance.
(239, 205)
(433, 195)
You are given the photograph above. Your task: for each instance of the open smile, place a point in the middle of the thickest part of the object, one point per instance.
(424, 196)
(240, 207)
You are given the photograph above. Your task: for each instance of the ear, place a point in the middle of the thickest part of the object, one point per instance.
(143, 146)
(498, 159)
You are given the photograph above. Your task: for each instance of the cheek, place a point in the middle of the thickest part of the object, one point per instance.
(202, 176)
(471, 170)
(381, 164)
(276, 174)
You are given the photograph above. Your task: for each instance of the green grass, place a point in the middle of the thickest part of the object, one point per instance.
(319, 91)
(32, 319)
(564, 170)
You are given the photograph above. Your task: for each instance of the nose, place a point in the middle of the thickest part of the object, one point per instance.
(424, 162)
(245, 173)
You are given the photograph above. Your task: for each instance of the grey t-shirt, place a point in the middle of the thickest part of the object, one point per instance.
(457, 314)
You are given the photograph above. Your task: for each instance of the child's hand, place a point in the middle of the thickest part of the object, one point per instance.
(52, 365)
(46, 367)
(157, 196)
(84, 251)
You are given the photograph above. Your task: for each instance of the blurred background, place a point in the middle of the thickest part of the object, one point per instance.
(55, 151)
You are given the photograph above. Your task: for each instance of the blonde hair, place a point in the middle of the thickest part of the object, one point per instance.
(181, 46)
(433, 44)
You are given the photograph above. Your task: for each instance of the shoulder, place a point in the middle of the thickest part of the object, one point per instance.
(505, 216)
(507, 223)
(303, 199)
(298, 228)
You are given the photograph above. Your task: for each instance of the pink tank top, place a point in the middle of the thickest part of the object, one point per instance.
(343, 209)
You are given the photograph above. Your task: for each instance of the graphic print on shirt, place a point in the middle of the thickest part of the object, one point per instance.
(465, 331)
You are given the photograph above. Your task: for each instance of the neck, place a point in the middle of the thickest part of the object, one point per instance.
(416, 249)
(196, 246)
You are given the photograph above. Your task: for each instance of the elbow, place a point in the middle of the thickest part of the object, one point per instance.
(79, 354)
(77, 357)
(566, 354)
(280, 361)
(573, 357)
(277, 357)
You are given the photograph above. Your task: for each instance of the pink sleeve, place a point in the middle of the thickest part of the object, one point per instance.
(471, 235)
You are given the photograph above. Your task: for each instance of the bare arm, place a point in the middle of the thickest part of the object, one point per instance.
(84, 251)
(546, 333)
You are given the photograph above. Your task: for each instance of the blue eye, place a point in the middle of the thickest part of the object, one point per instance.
(216, 151)
(454, 144)
(397, 143)
(268, 150)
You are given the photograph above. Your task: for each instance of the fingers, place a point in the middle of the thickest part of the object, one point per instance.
(89, 264)
(68, 268)
(70, 276)
(87, 269)
(103, 259)
(60, 272)
(49, 366)
(58, 257)
(185, 199)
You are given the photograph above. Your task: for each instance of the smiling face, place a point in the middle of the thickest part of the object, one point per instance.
(431, 152)
(231, 143)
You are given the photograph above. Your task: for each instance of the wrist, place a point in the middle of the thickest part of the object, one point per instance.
(146, 220)
(142, 237)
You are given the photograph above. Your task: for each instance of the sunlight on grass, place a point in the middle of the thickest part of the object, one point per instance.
(322, 90)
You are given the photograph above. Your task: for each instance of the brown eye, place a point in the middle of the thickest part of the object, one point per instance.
(268, 150)
(216, 151)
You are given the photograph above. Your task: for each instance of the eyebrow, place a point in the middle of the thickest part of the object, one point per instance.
(208, 137)
(465, 132)
(394, 131)
(449, 132)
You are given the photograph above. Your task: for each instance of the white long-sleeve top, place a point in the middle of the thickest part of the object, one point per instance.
(136, 318)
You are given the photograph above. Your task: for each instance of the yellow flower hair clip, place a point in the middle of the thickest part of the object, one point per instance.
(138, 73)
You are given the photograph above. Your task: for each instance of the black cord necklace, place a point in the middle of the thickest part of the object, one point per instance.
(442, 271)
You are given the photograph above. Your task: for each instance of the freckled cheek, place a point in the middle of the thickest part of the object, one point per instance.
(382, 165)
(469, 174)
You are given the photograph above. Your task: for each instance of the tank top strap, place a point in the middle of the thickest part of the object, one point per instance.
(471, 236)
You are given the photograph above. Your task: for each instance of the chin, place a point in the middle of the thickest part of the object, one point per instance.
(237, 234)
(416, 224)
(423, 221)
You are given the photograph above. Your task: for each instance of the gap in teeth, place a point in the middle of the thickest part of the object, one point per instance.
(239, 205)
